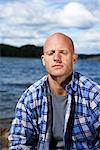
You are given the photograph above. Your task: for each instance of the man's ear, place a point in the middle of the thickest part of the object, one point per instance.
(43, 61)
(75, 57)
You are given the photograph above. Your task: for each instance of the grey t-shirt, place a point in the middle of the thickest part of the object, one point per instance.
(59, 104)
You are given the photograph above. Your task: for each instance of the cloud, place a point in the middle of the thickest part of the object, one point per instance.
(73, 15)
(87, 42)
(76, 15)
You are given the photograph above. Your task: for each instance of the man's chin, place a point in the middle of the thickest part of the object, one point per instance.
(60, 74)
(57, 75)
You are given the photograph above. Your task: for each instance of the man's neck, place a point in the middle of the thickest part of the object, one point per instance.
(57, 85)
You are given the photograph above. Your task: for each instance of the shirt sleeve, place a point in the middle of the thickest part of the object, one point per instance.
(95, 121)
(95, 107)
(24, 132)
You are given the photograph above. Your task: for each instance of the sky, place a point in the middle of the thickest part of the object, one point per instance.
(25, 22)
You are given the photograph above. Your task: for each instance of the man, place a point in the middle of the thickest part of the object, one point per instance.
(61, 110)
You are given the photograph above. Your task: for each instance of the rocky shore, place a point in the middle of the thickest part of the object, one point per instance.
(4, 132)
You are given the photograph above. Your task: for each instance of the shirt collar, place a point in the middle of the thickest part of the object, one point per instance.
(73, 84)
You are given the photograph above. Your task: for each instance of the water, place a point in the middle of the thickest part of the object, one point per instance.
(17, 74)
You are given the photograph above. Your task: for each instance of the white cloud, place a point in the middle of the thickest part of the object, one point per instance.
(73, 15)
(76, 15)
(88, 42)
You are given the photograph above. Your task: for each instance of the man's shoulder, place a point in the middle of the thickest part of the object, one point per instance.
(88, 84)
(40, 83)
(30, 93)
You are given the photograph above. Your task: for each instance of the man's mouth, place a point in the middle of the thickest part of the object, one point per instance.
(58, 66)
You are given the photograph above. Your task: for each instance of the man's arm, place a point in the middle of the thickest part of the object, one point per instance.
(24, 132)
(95, 121)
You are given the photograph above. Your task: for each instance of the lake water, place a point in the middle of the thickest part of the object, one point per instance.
(17, 74)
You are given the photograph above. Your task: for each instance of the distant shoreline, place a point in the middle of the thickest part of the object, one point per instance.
(32, 51)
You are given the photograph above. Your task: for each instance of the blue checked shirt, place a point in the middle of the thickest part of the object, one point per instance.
(30, 127)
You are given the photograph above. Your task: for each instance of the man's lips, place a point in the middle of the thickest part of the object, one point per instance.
(57, 66)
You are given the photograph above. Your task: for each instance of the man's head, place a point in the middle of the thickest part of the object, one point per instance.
(59, 55)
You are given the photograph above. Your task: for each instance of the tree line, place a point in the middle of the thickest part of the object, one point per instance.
(23, 51)
(32, 51)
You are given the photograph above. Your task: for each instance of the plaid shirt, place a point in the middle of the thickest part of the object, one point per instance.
(29, 127)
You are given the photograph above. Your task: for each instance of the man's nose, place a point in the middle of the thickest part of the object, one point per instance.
(57, 56)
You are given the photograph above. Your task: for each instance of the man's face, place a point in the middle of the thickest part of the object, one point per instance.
(59, 56)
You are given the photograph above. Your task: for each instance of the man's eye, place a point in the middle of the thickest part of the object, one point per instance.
(50, 53)
(63, 52)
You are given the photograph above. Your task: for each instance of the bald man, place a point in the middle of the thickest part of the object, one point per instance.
(61, 110)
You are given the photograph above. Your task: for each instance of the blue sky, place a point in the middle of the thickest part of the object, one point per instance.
(32, 21)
